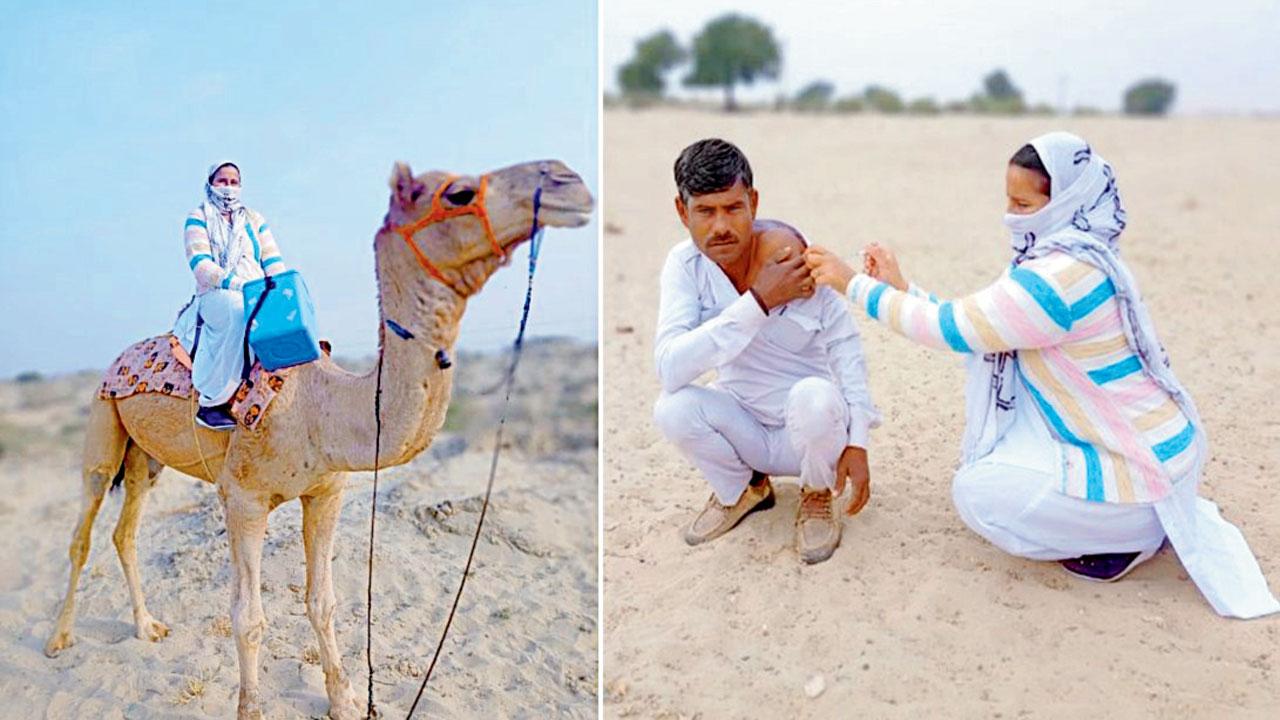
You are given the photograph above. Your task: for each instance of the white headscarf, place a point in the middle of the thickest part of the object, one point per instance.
(1083, 197)
(1084, 219)
(228, 240)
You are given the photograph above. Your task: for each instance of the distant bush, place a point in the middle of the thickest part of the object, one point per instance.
(1149, 97)
(30, 376)
(882, 99)
(816, 96)
(849, 104)
(988, 105)
(923, 106)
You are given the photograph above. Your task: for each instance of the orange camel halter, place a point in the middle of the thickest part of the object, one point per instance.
(440, 213)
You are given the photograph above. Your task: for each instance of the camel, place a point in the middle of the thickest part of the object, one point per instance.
(321, 425)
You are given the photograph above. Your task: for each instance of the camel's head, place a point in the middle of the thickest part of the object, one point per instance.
(463, 227)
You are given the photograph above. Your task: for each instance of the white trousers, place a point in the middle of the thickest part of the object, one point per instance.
(1012, 497)
(726, 442)
(219, 356)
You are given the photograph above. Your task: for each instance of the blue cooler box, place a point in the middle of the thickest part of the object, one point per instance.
(284, 331)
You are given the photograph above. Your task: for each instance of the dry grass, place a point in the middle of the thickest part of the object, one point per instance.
(192, 689)
(221, 626)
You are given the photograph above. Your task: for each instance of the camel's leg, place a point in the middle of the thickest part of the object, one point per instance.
(140, 473)
(319, 523)
(104, 446)
(246, 530)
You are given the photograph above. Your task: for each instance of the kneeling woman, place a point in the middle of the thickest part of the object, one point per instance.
(1080, 444)
(227, 245)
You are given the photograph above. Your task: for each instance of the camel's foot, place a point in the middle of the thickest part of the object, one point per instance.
(349, 709)
(343, 704)
(250, 706)
(149, 628)
(59, 641)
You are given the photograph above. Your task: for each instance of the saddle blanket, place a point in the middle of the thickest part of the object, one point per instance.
(160, 365)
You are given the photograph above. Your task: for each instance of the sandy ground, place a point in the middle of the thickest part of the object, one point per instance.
(915, 616)
(524, 643)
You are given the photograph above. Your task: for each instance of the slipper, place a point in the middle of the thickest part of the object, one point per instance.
(1106, 567)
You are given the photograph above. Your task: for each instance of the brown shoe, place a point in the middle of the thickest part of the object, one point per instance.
(817, 529)
(716, 519)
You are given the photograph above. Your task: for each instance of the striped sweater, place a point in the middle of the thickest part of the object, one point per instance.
(209, 275)
(1122, 438)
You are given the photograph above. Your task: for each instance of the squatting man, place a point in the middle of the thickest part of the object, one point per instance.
(790, 395)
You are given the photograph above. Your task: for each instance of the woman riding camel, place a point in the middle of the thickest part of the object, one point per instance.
(227, 245)
(1080, 445)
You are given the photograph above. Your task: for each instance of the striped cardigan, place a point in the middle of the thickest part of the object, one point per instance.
(209, 275)
(1122, 438)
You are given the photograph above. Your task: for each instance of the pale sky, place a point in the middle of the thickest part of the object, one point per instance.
(1223, 56)
(111, 112)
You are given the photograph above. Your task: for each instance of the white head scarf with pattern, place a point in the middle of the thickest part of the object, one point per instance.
(228, 238)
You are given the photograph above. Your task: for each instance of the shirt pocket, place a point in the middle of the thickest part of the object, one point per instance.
(793, 334)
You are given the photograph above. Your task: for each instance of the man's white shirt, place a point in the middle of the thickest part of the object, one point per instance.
(705, 324)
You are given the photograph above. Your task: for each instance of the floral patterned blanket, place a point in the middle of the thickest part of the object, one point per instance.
(160, 365)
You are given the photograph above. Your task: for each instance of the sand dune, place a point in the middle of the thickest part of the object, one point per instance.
(915, 616)
(523, 644)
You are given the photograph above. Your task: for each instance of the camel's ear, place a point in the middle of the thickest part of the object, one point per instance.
(405, 190)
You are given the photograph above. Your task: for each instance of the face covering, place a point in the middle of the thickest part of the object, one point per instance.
(227, 237)
(1084, 198)
(229, 194)
(226, 198)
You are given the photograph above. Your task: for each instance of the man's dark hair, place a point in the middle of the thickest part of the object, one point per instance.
(1028, 158)
(709, 166)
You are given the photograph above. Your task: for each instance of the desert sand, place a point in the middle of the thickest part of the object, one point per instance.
(524, 642)
(915, 616)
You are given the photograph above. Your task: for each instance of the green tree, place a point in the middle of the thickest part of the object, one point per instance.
(882, 99)
(733, 49)
(998, 86)
(1149, 97)
(814, 96)
(654, 56)
(999, 95)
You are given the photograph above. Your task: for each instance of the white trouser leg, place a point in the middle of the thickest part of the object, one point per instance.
(1021, 511)
(220, 355)
(1011, 497)
(818, 428)
(719, 436)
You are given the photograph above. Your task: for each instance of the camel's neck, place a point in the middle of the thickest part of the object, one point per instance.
(415, 390)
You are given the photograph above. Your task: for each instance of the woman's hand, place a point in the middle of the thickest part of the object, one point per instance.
(827, 268)
(880, 263)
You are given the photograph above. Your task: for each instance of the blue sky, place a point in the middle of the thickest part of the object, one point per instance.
(110, 114)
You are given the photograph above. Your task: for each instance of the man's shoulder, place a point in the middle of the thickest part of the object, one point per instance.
(684, 252)
(683, 258)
